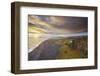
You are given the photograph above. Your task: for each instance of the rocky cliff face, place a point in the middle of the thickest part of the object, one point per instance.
(60, 48)
(47, 50)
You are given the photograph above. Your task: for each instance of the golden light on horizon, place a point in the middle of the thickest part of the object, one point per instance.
(37, 35)
(33, 29)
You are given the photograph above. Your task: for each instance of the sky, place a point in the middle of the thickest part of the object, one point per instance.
(43, 24)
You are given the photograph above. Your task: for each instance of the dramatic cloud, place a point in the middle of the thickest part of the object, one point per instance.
(57, 24)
